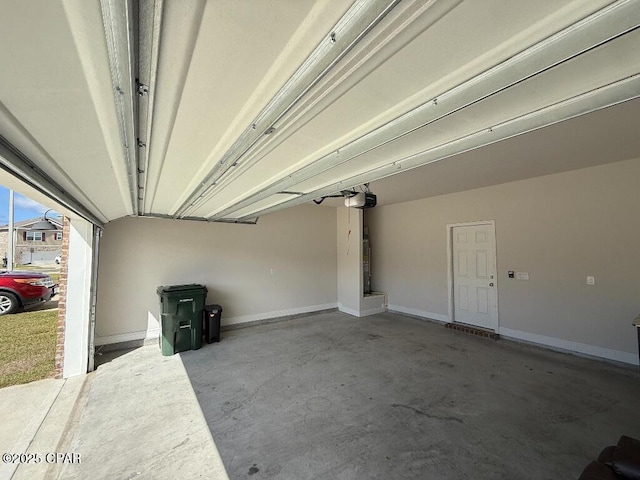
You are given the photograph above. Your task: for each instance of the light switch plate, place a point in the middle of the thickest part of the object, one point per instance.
(522, 275)
(591, 280)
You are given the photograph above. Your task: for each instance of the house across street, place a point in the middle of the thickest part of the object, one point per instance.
(32, 247)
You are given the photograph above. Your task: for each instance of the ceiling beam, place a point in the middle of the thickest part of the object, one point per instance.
(599, 98)
(399, 27)
(149, 25)
(120, 26)
(593, 31)
(247, 221)
(361, 17)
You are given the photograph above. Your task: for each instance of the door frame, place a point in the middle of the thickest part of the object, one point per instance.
(450, 295)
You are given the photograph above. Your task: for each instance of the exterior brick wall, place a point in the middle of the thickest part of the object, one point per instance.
(62, 300)
(4, 243)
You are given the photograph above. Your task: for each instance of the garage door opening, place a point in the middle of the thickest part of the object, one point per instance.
(45, 313)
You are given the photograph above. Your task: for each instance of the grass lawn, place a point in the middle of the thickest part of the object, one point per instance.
(27, 347)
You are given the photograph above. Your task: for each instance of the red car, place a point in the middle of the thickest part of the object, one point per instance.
(22, 289)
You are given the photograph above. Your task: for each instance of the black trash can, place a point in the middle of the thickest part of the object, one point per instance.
(180, 313)
(211, 316)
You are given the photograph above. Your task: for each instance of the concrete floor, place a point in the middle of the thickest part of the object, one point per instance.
(328, 396)
(387, 396)
(37, 419)
(135, 417)
(142, 420)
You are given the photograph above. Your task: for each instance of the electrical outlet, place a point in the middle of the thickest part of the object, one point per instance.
(591, 280)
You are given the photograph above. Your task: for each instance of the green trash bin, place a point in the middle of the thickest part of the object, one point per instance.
(181, 317)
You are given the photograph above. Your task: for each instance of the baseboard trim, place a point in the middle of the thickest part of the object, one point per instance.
(348, 311)
(131, 344)
(154, 334)
(372, 311)
(418, 313)
(265, 321)
(276, 314)
(123, 337)
(568, 346)
(361, 313)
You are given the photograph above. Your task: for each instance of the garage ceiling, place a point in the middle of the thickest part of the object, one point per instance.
(228, 110)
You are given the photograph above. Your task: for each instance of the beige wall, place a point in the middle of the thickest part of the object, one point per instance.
(558, 228)
(235, 262)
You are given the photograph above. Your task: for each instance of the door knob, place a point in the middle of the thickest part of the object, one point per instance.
(491, 284)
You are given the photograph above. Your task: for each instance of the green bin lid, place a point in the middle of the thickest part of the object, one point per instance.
(163, 289)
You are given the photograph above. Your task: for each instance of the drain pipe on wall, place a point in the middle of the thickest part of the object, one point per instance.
(97, 233)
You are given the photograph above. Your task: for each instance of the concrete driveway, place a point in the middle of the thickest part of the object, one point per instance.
(135, 417)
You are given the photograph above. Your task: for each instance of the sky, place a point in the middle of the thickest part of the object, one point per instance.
(24, 208)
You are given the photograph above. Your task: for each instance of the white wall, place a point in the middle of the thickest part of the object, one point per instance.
(78, 298)
(286, 264)
(350, 272)
(349, 259)
(558, 228)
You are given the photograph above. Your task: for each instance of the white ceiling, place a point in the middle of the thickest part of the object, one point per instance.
(609, 135)
(243, 100)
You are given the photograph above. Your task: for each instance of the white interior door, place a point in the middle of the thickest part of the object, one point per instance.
(474, 272)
